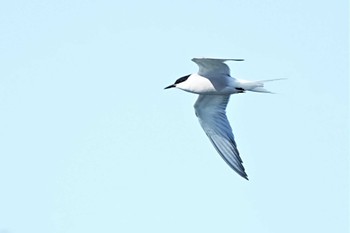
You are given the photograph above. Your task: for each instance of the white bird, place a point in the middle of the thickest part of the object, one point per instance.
(214, 85)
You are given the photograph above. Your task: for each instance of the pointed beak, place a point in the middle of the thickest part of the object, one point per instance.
(171, 86)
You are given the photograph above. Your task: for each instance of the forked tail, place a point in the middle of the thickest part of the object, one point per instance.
(256, 86)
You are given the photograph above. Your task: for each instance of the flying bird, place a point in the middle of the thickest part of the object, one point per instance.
(215, 85)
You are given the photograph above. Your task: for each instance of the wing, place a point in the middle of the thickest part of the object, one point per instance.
(211, 113)
(212, 67)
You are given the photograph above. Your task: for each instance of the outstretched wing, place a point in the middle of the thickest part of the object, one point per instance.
(211, 112)
(212, 67)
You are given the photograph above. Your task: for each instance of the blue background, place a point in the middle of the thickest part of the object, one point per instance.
(90, 141)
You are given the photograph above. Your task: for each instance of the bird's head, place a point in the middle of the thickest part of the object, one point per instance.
(178, 82)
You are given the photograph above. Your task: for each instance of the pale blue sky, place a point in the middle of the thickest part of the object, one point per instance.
(90, 141)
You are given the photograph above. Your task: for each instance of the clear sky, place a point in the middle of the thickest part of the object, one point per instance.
(90, 141)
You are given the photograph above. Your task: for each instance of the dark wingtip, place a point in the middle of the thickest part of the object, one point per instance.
(244, 175)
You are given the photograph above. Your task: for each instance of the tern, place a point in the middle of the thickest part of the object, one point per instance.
(215, 85)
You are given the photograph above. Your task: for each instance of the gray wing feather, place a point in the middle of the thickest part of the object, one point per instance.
(211, 113)
(209, 67)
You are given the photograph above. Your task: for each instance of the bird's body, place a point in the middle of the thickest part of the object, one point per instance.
(201, 85)
(214, 85)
